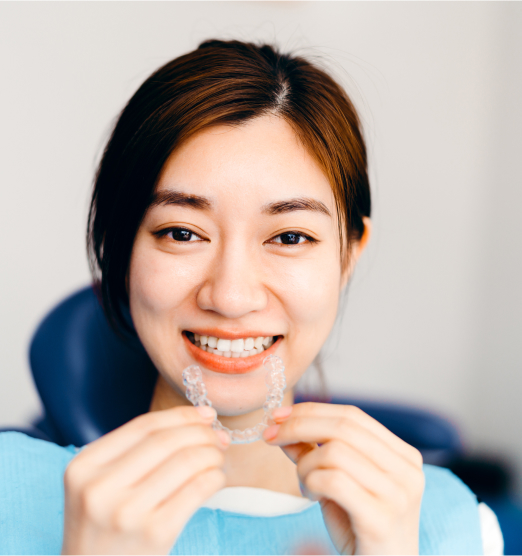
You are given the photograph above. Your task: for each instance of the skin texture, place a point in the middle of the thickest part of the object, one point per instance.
(133, 490)
(237, 278)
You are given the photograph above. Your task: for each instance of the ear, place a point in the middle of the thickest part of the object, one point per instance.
(356, 250)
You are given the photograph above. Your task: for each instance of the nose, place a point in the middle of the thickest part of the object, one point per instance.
(233, 285)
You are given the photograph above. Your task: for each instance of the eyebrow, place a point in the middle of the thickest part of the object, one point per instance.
(172, 197)
(299, 203)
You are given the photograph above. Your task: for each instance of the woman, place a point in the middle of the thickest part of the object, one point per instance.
(229, 210)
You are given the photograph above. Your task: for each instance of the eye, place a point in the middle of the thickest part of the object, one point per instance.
(293, 238)
(180, 235)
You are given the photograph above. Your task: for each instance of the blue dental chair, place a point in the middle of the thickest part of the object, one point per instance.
(91, 381)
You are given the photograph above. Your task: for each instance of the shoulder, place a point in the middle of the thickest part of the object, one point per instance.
(441, 483)
(31, 493)
(25, 460)
(22, 456)
(450, 520)
(16, 443)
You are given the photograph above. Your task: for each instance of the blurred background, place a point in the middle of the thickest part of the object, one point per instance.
(433, 316)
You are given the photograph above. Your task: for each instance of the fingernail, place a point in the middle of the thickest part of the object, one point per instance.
(223, 436)
(271, 432)
(282, 412)
(206, 412)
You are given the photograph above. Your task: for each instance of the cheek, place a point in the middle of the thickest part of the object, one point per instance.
(157, 286)
(312, 294)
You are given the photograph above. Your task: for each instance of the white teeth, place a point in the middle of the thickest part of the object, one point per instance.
(237, 346)
(223, 345)
(241, 347)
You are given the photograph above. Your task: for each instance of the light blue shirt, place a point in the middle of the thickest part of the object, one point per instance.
(31, 512)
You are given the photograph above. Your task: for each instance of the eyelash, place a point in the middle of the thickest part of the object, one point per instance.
(166, 231)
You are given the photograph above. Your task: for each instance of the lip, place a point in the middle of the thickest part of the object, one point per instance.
(229, 365)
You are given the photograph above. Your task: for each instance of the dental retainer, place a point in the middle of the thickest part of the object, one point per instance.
(275, 380)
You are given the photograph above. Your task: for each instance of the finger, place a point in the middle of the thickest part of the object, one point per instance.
(118, 441)
(322, 429)
(280, 414)
(357, 415)
(146, 456)
(173, 513)
(338, 455)
(334, 484)
(293, 451)
(166, 479)
(296, 451)
(307, 494)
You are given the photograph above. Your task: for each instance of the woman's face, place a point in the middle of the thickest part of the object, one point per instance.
(241, 242)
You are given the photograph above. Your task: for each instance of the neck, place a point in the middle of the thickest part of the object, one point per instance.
(254, 465)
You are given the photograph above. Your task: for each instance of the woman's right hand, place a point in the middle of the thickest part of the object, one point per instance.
(133, 490)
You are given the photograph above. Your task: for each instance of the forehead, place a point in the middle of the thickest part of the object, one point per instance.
(262, 158)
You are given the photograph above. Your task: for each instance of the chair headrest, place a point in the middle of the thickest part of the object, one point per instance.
(90, 380)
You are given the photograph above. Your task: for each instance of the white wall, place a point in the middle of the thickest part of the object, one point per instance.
(434, 313)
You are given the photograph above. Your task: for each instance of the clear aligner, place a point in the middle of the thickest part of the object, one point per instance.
(275, 380)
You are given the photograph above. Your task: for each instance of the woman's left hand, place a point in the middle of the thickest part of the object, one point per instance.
(368, 481)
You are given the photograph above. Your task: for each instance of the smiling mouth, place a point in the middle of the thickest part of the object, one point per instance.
(238, 348)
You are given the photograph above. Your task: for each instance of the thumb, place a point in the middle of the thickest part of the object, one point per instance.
(296, 451)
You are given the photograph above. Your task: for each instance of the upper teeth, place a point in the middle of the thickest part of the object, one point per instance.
(241, 347)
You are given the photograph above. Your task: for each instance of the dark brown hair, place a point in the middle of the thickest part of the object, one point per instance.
(219, 83)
